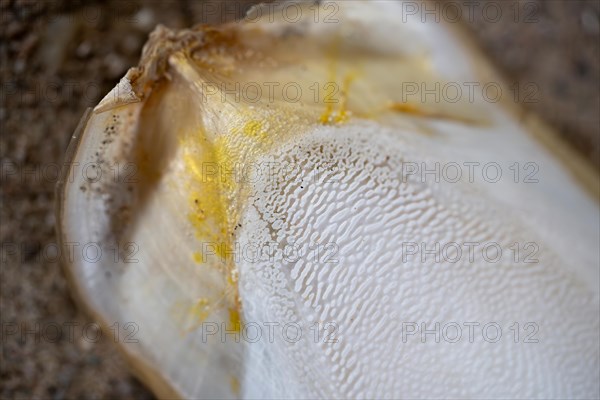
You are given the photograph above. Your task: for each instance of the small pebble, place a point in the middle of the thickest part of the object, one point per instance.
(144, 20)
(84, 49)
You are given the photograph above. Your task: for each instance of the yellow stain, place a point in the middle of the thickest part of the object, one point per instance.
(235, 320)
(198, 257)
(209, 215)
(200, 309)
(255, 129)
(406, 108)
(331, 116)
(191, 317)
(412, 109)
(212, 168)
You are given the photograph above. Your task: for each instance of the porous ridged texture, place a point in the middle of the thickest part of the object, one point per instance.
(343, 187)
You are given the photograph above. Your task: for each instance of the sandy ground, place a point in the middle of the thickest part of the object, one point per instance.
(60, 57)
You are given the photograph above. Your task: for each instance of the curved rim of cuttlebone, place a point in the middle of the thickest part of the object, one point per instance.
(151, 68)
(143, 370)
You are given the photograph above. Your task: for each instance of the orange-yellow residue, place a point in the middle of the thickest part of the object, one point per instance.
(407, 108)
(331, 116)
(191, 316)
(208, 213)
(413, 109)
(213, 187)
(198, 257)
(255, 129)
(235, 322)
(200, 309)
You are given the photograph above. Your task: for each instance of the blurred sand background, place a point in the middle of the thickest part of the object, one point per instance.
(60, 57)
